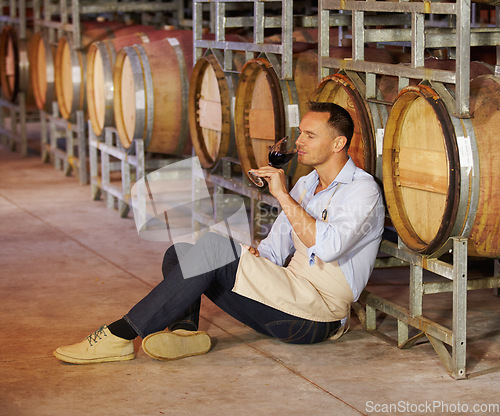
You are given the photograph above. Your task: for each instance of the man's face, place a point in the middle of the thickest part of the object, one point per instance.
(316, 141)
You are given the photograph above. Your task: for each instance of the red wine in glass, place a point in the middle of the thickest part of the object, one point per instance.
(278, 159)
(279, 155)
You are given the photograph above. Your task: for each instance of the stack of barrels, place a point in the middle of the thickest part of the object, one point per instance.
(145, 83)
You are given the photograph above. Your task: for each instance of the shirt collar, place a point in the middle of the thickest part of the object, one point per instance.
(345, 175)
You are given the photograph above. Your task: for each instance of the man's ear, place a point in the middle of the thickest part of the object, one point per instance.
(339, 143)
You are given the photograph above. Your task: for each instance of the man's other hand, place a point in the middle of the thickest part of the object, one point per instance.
(252, 250)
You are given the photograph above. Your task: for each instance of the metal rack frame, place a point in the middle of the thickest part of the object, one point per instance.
(281, 58)
(101, 183)
(259, 22)
(457, 283)
(133, 164)
(15, 137)
(72, 157)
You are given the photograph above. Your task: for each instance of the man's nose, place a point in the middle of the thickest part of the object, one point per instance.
(298, 142)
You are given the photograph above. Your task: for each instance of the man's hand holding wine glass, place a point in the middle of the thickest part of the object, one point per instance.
(275, 178)
(279, 155)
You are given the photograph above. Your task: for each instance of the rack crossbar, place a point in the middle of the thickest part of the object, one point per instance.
(393, 7)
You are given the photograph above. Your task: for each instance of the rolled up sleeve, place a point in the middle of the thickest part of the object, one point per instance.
(278, 244)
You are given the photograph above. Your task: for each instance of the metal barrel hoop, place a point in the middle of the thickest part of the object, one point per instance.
(139, 92)
(469, 167)
(108, 57)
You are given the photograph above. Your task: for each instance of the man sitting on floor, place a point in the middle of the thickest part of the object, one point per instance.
(332, 223)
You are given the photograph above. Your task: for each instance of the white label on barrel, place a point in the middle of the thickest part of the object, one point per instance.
(465, 152)
(233, 104)
(379, 139)
(173, 41)
(293, 115)
(76, 73)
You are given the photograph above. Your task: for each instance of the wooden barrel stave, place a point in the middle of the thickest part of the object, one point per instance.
(9, 63)
(422, 137)
(484, 239)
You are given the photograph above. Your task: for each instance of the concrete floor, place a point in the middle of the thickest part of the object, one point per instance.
(68, 265)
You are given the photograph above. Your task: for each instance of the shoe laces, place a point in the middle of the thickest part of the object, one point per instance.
(97, 336)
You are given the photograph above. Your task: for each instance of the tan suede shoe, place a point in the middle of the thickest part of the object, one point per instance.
(177, 344)
(100, 347)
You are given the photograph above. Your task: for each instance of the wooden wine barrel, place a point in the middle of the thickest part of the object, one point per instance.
(267, 108)
(70, 66)
(151, 94)
(348, 91)
(476, 68)
(14, 65)
(101, 58)
(440, 173)
(211, 108)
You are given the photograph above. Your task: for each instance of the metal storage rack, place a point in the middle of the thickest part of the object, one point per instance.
(262, 206)
(262, 19)
(63, 141)
(457, 283)
(460, 37)
(54, 127)
(280, 55)
(259, 22)
(15, 136)
(132, 164)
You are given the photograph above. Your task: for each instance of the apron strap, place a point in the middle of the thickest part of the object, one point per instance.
(344, 328)
(324, 214)
(302, 195)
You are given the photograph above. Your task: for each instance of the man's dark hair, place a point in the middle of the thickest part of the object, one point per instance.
(340, 119)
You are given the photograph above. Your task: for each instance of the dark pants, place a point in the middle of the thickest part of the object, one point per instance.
(209, 267)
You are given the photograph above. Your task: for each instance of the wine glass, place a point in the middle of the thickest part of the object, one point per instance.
(279, 155)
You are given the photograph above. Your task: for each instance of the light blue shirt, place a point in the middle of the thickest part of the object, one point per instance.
(351, 233)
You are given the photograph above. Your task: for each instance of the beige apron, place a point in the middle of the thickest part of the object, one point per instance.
(317, 293)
